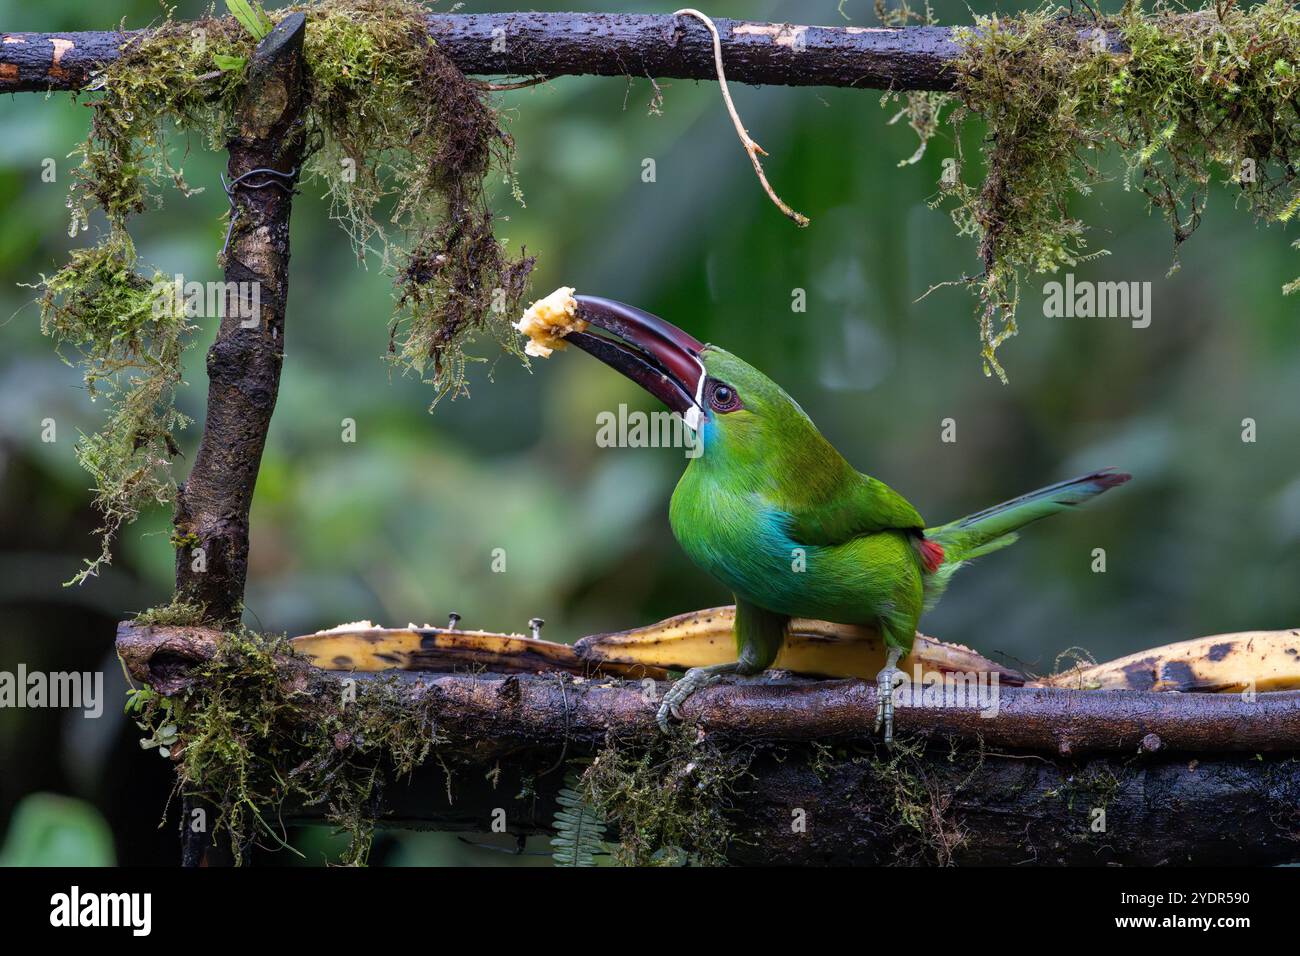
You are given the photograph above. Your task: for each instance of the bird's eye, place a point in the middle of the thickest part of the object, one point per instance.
(722, 397)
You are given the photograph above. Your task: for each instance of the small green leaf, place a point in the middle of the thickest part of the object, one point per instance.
(228, 64)
(251, 16)
(50, 830)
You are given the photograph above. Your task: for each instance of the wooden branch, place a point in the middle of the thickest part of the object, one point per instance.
(560, 44)
(244, 362)
(1167, 767)
(997, 809)
(1037, 719)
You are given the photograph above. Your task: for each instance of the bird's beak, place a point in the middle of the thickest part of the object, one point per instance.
(655, 354)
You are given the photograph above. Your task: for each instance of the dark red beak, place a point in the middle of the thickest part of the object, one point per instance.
(655, 354)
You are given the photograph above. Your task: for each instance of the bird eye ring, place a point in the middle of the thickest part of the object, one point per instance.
(722, 397)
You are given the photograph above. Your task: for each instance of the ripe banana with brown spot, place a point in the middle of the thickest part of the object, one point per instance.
(368, 648)
(678, 643)
(1222, 664)
(705, 637)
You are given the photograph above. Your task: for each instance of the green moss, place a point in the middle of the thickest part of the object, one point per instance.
(920, 798)
(1186, 98)
(823, 760)
(1091, 788)
(176, 614)
(256, 731)
(393, 125)
(923, 109)
(128, 341)
(668, 797)
(401, 117)
(187, 540)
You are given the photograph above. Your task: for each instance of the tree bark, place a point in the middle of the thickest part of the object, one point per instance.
(559, 44)
(1164, 769)
(990, 809)
(244, 362)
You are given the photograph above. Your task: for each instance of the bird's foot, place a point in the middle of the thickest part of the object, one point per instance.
(693, 680)
(886, 681)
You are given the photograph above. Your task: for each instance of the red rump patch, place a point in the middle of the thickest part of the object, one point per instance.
(931, 553)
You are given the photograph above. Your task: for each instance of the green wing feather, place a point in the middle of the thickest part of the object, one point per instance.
(860, 505)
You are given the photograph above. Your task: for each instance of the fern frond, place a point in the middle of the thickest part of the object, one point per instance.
(579, 829)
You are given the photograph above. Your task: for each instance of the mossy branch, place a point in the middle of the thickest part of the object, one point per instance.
(382, 121)
(1184, 99)
(1021, 786)
(267, 132)
(566, 44)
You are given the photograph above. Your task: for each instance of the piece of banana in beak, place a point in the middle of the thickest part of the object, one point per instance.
(547, 321)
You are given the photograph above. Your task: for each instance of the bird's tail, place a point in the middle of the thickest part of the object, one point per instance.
(986, 531)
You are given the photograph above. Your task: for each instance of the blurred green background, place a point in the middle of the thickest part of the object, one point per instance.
(401, 525)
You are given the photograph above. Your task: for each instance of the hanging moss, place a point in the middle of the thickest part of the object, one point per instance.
(668, 797)
(127, 336)
(129, 342)
(923, 109)
(395, 127)
(1183, 97)
(407, 126)
(920, 801)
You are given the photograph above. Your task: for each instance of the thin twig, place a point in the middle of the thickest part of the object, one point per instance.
(751, 147)
(518, 85)
(564, 751)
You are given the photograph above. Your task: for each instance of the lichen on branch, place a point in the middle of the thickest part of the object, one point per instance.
(402, 144)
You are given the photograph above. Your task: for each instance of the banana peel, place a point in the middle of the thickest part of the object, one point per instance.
(1221, 664)
(678, 643)
(1225, 663)
(811, 647)
(364, 647)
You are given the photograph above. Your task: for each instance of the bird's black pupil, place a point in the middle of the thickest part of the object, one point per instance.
(724, 394)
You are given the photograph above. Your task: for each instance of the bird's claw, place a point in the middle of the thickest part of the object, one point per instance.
(690, 682)
(886, 681)
(671, 705)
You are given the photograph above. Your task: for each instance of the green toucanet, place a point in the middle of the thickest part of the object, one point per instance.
(775, 513)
